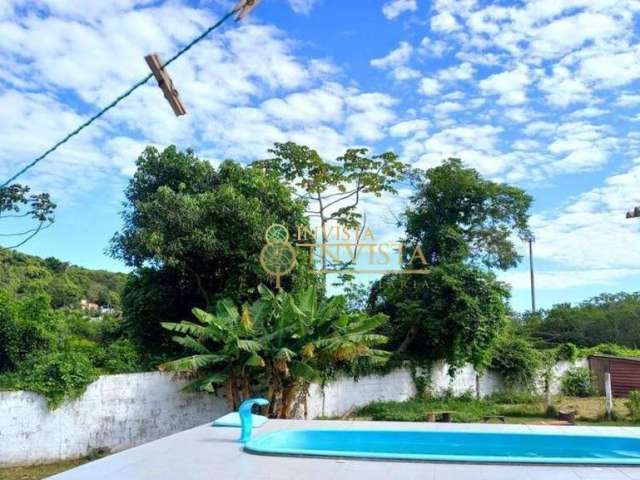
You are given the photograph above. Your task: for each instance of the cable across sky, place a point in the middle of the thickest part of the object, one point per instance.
(243, 7)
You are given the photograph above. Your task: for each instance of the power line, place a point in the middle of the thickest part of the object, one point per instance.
(181, 52)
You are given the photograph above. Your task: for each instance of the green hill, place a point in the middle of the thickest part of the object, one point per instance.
(66, 284)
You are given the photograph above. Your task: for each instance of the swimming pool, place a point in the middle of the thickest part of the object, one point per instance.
(453, 446)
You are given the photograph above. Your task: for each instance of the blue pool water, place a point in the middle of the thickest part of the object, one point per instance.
(452, 446)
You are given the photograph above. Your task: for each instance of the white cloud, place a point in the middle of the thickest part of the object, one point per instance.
(476, 145)
(628, 100)
(589, 112)
(394, 8)
(322, 105)
(373, 114)
(591, 232)
(397, 57)
(612, 70)
(406, 128)
(444, 22)
(564, 35)
(430, 86)
(405, 73)
(509, 85)
(397, 60)
(463, 71)
(445, 108)
(564, 88)
(581, 146)
(303, 6)
(435, 48)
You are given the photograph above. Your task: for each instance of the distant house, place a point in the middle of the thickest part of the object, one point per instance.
(89, 306)
(625, 373)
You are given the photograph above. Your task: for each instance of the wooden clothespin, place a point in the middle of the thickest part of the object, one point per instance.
(243, 7)
(165, 83)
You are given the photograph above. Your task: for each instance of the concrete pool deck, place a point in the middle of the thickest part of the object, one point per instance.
(206, 452)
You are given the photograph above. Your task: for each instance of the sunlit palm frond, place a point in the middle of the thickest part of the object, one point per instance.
(206, 383)
(227, 311)
(191, 343)
(285, 354)
(193, 363)
(188, 328)
(250, 346)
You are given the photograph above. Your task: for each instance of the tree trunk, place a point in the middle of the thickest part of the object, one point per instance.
(409, 337)
(288, 396)
(228, 393)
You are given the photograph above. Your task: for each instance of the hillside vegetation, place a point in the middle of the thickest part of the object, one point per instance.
(66, 285)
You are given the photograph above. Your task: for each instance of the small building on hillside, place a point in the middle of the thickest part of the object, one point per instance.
(625, 373)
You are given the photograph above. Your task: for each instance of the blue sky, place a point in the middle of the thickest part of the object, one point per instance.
(542, 94)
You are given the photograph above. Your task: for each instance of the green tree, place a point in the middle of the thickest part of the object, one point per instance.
(276, 346)
(198, 231)
(17, 204)
(453, 313)
(606, 318)
(463, 224)
(25, 275)
(332, 191)
(455, 215)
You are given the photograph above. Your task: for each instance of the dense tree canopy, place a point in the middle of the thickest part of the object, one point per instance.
(457, 216)
(607, 318)
(453, 313)
(464, 225)
(58, 352)
(65, 284)
(207, 224)
(194, 234)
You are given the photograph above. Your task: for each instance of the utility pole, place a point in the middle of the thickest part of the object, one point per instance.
(530, 239)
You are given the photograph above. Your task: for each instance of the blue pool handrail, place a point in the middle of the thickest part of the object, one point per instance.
(246, 420)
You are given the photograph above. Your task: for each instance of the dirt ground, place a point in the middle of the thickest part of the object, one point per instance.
(39, 471)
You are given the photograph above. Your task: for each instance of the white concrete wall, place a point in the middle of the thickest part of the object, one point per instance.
(121, 411)
(560, 368)
(345, 394)
(340, 396)
(116, 412)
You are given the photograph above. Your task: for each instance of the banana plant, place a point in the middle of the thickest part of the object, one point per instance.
(280, 345)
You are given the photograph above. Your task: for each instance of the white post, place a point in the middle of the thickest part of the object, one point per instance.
(609, 395)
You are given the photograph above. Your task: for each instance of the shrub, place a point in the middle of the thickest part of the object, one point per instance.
(633, 404)
(57, 376)
(121, 356)
(518, 362)
(567, 351)
(577, 382)
(551, 412)
(25, 326)
(416, 410)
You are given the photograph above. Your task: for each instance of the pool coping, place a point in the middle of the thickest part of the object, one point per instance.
(194, 454)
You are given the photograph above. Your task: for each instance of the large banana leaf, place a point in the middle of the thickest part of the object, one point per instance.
(194, 363)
